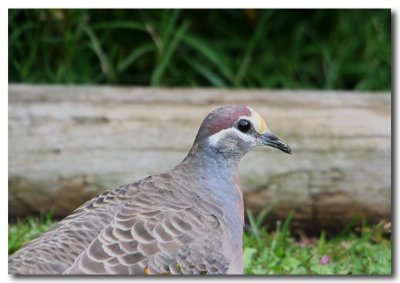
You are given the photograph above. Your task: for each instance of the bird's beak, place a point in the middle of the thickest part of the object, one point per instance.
(270, 139)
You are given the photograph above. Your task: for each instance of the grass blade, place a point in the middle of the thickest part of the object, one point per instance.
(160, 69)
(208, 74)
(347, 228)
(133, 56)
(260, 30)
(253, 225)
(151, 30)
(119, 25)
(211, 54)
(262, 215)
(104, 62)
(168, 25)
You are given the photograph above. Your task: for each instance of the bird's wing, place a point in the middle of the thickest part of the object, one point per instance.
(145, 237)
(56, 249)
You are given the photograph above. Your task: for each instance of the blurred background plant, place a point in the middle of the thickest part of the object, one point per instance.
(291, 49)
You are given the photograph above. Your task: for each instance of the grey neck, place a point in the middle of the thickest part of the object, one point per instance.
(211, 165)
(218, 179)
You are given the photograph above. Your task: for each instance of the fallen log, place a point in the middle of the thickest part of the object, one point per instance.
(68, 144)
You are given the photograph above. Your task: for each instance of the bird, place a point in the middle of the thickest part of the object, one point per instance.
(187, 220)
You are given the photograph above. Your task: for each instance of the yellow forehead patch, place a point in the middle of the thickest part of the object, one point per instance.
(258, 121)
(262, 126)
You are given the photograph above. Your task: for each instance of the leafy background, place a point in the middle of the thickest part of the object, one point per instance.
(239, 48)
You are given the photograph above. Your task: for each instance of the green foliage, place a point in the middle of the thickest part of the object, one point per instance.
(278, 252)
(309, 49)
(345, 254)
(24, 230)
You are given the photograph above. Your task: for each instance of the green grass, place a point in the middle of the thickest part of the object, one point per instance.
(237, 48)
(24, 230)
(345, 254)
(278, 252)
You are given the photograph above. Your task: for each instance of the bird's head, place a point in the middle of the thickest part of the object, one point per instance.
(235, 130)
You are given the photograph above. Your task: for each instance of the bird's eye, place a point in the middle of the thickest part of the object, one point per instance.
(244, 125)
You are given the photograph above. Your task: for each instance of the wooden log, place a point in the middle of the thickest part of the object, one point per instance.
(70, 143)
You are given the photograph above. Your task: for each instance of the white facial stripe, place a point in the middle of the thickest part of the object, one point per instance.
(215, 138)
(258, 124)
